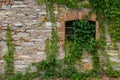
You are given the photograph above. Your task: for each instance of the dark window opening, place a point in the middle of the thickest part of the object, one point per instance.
(70, 29)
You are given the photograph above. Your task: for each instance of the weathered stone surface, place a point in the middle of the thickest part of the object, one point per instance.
(1, 68)
(21, 68)
(21, 57)
(36, 79)
(42, 13)
(28, 44)
(19, 6)
(1, 37)
(6, 7)
(17, 24)
(86, 66)
(24, 18)
(48, 25)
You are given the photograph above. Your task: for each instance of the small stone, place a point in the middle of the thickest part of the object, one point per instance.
(41, 53)
(17, 62)
(1, 57)
(19, 6)
(2, 61)
(0, 27)
(56, 12)
(23, 57)
(1, 67)
(42, 13)
(18, 48)
(48, 25)
(1, 17)
(36, 40)
(33, 69)
(6, 7)
(86, 66)
(17, 24)
(85, 60)
(32, 17)
(9, 13)
(21, 68)
(22, 35)
(18, 2)
(105, 77)
(36, 79)
(4, 50)
(31, 22)
(1, 37)
(5, 24)
(28, 44)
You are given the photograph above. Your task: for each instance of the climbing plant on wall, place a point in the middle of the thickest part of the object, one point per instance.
(9, 56)
(110, 10)
(107, 11)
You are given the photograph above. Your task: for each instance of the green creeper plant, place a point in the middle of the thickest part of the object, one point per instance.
(107, 12)
(9, 56)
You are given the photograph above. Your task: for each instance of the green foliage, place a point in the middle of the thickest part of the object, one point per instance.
(84, 34)
(66, 68)
(106, 11)
(112, 73)
(9, 56)
(83, 39)
(110, 10)
(26, 76)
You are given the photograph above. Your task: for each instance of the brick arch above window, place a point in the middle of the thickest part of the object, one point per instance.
(73, 15)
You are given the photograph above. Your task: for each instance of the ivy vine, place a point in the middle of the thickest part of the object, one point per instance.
(107, 12)
(9, 56)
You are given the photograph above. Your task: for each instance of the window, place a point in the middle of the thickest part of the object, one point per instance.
(69, 31)
(87, 28)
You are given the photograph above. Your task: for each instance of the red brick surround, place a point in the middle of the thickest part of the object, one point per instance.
(73, 15)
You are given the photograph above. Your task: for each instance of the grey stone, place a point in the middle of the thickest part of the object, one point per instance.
(15, 27)
(2, 61)
(31, 22)
(41, 53)
(86, 60)
(32, 17)
(55, 12)
(18, 48)
(19, 6)
(36, 40)
(6, 7)
(23, 17)
(29, 44)
(22, 34)
(21, 68)
(18, 2)
(115, 59)
(42, 13)
(17, 24)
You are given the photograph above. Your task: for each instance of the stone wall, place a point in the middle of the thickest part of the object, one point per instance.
(24, 18)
